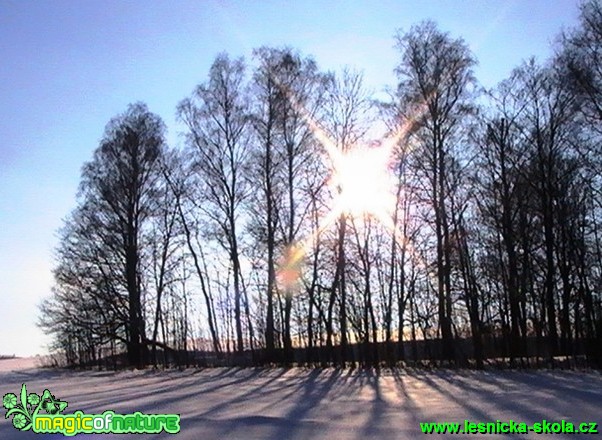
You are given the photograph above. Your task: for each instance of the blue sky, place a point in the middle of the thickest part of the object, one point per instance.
(67, 67)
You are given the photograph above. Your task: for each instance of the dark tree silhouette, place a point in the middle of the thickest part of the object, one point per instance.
(436, 72)
(238, 249)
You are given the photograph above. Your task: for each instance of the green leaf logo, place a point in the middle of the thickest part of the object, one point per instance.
(24, 409)
(9, 401)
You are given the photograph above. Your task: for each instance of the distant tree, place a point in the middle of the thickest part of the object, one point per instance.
(119, 185)
(347, 122)
(287, 90)
(218, 123)
(269, 100)
(502, 197)
(184, 191)
(549, 123)
(88, 306)
(303, 85)
(101, 261)
(163, 243)
(492, 238)
(580, 57)
(435, 73)
(579, 61)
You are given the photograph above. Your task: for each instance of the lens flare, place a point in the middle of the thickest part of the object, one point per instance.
(362, 181)
(289, 272)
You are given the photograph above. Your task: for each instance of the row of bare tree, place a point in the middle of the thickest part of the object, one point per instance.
(231, 247)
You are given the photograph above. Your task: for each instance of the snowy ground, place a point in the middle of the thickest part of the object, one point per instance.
(314, 404)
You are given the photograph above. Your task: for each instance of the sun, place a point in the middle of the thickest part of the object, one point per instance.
(363, 187)
(363, 183)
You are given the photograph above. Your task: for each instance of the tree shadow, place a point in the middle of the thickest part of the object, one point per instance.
(331, 403)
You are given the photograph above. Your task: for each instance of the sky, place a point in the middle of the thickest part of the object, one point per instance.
(67, 67)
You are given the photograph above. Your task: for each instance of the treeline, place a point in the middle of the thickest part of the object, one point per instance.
(248, 245)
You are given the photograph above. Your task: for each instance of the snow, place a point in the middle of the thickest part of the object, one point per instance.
(18, 364)
(314, 404)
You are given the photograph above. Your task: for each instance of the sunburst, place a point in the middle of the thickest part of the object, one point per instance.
(362, 181)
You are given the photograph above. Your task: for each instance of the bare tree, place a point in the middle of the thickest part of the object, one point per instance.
(270, 100)
(436, 72)
(549, 117)
(120, 183)
(580, 57)
(502, 157)
(217, 120)
(346, 121)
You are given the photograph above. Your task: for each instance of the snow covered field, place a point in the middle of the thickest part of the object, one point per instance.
(314, 404)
